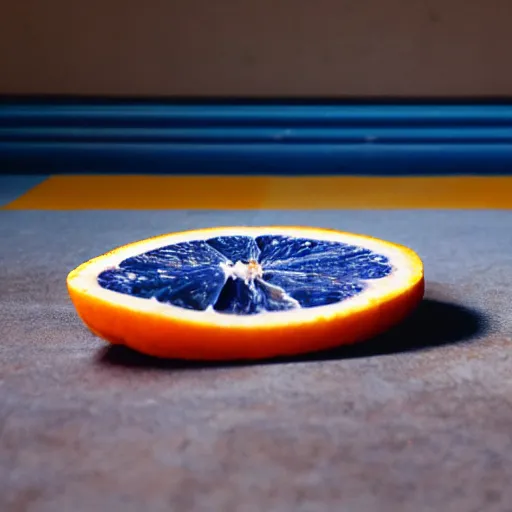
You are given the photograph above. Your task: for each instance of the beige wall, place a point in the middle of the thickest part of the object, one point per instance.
(256, 47)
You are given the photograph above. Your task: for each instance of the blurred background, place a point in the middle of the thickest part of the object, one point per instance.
(321, 48)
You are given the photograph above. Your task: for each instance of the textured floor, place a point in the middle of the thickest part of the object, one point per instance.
(417, 420)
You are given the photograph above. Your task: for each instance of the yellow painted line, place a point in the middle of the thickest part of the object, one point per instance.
(13, 186)
(265, 192)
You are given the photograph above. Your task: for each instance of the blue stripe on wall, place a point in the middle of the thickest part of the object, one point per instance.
(256, 115)
(233, 138)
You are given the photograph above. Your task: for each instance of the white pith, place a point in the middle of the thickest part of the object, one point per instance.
(84, 278)
(242, 271)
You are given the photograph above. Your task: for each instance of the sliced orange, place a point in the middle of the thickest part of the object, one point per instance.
(246, 292)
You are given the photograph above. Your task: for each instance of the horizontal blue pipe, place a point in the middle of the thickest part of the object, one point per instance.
(287, 159)
(254, 115)
(416, 135)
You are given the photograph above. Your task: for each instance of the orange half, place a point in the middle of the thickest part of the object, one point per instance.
(166, 330)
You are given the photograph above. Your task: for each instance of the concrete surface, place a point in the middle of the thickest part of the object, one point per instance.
(417, 420)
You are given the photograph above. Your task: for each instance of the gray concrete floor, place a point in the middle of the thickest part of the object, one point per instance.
(419, 419)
